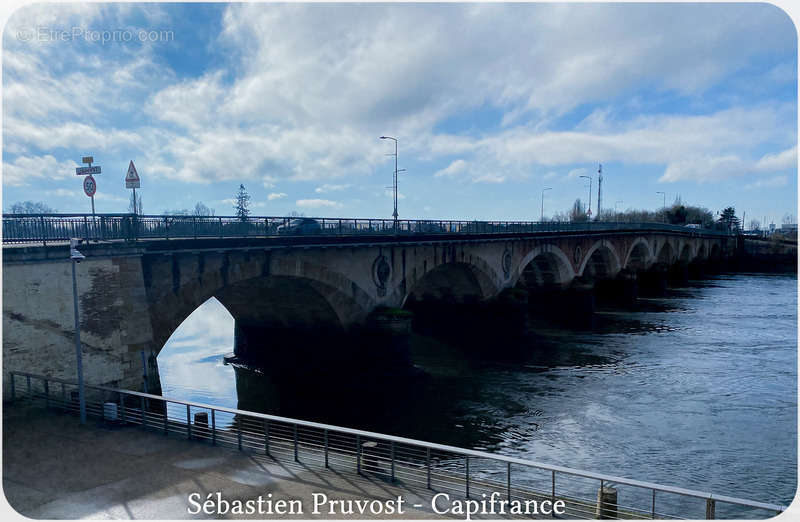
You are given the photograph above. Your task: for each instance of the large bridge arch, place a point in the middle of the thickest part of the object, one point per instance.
(257, 290)
(544, 266)
(600, 261)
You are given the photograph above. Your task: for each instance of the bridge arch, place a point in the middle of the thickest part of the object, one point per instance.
(257, 292)
(601, 261)
(459, 281)
(686, 254)
(702, 252)
(666, 253)
(639, 255)
(545, 265)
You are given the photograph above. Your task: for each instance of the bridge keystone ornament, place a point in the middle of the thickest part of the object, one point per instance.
(381, 271)
(507, 263)
(577, 255)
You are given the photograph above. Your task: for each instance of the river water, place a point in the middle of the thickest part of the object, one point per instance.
(697, 389)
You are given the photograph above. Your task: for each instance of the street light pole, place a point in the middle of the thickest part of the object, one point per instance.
(76, 258)
(394, 214)
(590, 194)
(663, 206)
(541, 217)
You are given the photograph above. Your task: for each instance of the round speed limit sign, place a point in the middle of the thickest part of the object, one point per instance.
(89, 186)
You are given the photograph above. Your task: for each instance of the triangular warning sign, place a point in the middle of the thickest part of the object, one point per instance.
(132, 177)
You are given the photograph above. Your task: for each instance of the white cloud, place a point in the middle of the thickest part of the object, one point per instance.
(317, 203)
(491, 177)
(24, 169)
(786, 159)
(276, 195)
(455, 168)
(777, 181)
(331, 188)
(63, 193)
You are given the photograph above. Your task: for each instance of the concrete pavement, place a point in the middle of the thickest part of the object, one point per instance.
(54, 468)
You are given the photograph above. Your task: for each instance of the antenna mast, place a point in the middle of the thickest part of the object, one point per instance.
(599, 191)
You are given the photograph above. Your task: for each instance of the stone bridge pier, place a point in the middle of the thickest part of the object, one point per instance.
(311, 305)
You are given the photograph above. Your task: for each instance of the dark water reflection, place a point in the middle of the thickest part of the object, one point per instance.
(697, 389)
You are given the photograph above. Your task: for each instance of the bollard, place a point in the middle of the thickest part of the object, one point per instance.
(606, 503)
(201, 424)
(369, 459)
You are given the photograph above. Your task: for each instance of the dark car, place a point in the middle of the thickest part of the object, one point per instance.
(300, 226)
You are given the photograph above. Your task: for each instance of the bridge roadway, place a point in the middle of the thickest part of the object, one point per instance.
(133, 294)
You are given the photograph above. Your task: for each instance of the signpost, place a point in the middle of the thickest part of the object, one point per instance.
(89, 184)
(132, 182)
(90, 187)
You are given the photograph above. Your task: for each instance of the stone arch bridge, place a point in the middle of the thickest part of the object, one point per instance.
(134, 295)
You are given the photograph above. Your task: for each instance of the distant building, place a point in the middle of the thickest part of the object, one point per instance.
(789, 227)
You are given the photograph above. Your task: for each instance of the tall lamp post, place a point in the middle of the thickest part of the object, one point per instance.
(394, 214)
(663, 206)
(541, 217)
(590, 194)
(76, 258)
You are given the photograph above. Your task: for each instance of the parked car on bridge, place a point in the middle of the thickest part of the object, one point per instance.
(300, 226)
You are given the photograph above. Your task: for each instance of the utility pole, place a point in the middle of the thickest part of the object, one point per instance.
(599, 191)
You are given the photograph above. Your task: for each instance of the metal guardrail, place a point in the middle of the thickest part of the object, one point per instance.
(41, 228)
(417, 463)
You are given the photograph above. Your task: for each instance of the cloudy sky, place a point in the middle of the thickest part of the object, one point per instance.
(490, 104)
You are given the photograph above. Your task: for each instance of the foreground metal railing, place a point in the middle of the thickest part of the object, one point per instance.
(414, 463)
(43, 228)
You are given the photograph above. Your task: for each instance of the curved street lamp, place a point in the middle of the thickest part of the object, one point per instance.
(589, 212)
(541, 217)
(394, 214)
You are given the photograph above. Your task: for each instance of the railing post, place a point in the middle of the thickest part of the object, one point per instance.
(213, 428)
(266, 437)
(326, 431)
(466, 475)
(710, 509)
(220, 228)
(295, 443)
(194, 226)
(44, 232)
(428, 465)
(358, 454)
(508, 481)
(553, 489)
(239, 434)
(188, 422)
(391, 450)
(166, 420)
(86, 228)
(653, 506)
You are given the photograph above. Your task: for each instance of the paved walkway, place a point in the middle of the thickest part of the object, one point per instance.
(54, 468)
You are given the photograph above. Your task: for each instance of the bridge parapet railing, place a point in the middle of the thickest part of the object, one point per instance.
(44, 228)
(414, 463)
